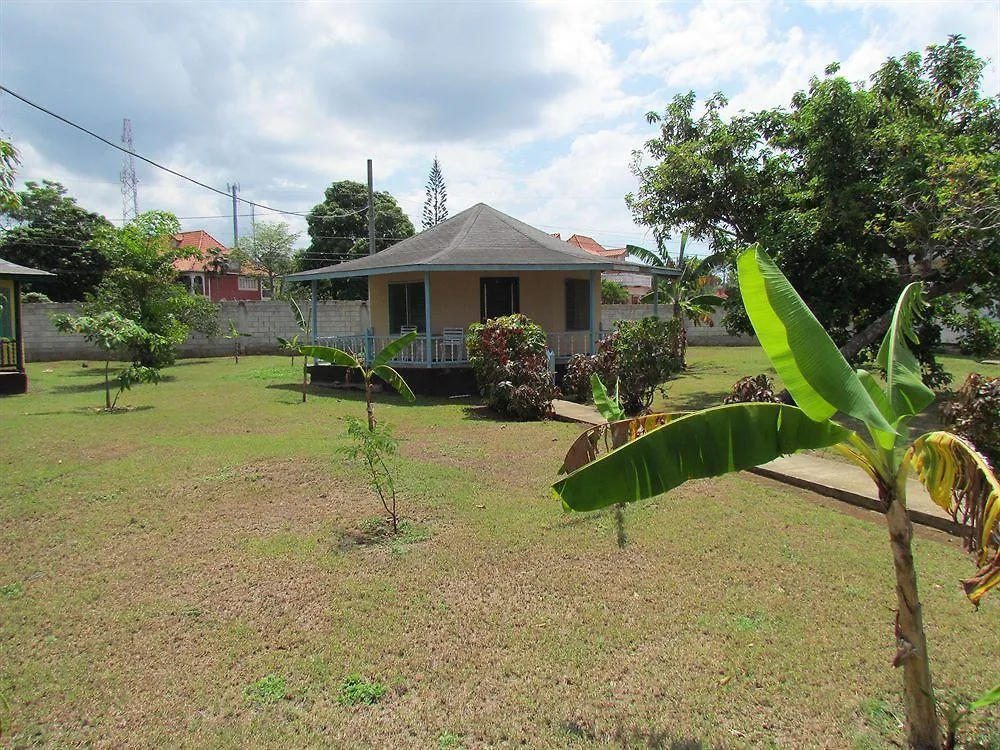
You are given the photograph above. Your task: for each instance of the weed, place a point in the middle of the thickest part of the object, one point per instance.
(356, 690)
(753, 621)
(268, 689)
(12, 590)
(448, 739)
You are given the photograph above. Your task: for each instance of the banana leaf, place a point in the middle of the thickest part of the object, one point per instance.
(708, 443)
(393, 348)
(812, 368)
(907, 393)
(331, 354)
(588, 445)
(393, 378)
(960, 481)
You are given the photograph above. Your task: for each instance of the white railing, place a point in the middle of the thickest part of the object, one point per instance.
(445, 350)
(8, 354)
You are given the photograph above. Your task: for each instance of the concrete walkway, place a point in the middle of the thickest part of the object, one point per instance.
(810, 471)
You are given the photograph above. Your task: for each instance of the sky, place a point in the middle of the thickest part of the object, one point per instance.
(532, 108)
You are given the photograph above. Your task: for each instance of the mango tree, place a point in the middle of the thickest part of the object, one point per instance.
(374, 443)
(665, 451)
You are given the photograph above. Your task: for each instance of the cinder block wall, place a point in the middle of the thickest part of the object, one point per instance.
(715, 335)
(264, 321)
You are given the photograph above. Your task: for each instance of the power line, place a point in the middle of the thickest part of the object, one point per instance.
(157, 164)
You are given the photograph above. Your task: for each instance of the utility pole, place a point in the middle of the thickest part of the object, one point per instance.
(234, 189)
(130, 185)
(371, 211)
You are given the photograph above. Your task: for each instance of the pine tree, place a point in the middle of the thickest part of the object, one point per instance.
(435, 207)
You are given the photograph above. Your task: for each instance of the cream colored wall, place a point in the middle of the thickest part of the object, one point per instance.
(455, 297)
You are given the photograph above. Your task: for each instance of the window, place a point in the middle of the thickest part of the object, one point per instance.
(6, 310)
(577, 305)
(248, 283)
(499, 296)
(197, 284)
(406, 307)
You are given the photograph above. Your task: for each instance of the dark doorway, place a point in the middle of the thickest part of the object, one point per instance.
(499, 296)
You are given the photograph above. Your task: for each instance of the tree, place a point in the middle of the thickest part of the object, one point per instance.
(9, 161)
(730, 438)
(435, 207)
(115, 335)
(270, 249)
(686, 293)
(857, 190)
(53, 233)
(142, 286)
(338, 229)
(370, 440)
(613, 293)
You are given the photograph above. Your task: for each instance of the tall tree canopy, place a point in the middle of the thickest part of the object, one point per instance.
(9, 161)
(857, 190)
(338, 228)
(270, 249)
(436, 204)
(51, 232)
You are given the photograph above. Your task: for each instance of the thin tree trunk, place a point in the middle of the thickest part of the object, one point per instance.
(923, 732)
(371, 406)
(305, 377)
(107, 386)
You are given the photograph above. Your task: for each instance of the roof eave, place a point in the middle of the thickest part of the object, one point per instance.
(321, 275)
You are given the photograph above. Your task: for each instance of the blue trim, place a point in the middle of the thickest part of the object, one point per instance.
(425, 268)
(594, 284)
(428, 343)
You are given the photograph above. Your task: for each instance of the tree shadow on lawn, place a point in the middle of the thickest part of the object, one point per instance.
(357, 394)
(89, 411)
(98, 385)
(633, 738)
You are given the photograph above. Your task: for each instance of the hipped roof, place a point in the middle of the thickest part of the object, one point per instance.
(478, 239)
(13, 270)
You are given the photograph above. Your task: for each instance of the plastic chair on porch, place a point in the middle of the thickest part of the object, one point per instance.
(452, 341)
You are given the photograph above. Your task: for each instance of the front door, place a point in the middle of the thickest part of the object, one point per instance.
(499, 296)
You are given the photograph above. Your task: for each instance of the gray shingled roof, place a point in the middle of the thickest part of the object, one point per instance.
(9, 270)
(479, 238)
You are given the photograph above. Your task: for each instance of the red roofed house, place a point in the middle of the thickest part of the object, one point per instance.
(211, 272)
(637, 284)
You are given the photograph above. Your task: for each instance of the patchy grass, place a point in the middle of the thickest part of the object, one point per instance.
(167, 557)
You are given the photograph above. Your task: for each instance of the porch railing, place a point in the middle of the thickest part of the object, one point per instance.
(445, 350)
(8, 354)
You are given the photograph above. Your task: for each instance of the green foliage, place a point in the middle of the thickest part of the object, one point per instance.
(52, 233)
(375, 447)
(235, 334)
(509, 357)
(575, 383)
(357, 690)
(118, 336)
(338, 229)
(753, 389)
(270, 249)
(11, 590)
(9, 161)
(436, 203)
(613, 293)
(448, 739)
(608, 405)
(855, 189)
(268, 689)
(35, 297)
(142, 285)
(981, 335)
(639, 355)
(975, 414)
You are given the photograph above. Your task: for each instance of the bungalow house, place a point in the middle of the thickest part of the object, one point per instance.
(638, 284)
(13, 378)
(479, 264)
(211, 272)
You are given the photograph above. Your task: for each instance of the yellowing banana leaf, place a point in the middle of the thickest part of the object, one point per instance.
(331, 354)
(812, 368)
(960, 481)
(393, 348)
(907, 393)
(588, 446)
(393, 378)
(703, 444)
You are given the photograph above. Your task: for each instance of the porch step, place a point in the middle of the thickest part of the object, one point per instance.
(569, 411)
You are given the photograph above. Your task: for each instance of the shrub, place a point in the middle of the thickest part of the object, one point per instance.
(982, 336)
(32, 297)
(613, 293)
(508, 355)
(975, 414)
(753, 389)
(575, 383)
(639, 356)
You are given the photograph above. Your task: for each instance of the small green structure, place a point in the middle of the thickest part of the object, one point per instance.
(13, 378)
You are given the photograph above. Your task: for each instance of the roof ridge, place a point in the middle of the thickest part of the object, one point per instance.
(462, 233)
(558, 245)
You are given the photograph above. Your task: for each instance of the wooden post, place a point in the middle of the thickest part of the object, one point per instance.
(595, 283)
(428, 344)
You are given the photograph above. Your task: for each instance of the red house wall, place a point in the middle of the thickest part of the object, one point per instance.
(228, 287)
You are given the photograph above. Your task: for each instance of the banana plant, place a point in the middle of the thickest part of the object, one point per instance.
(379, 366)
(294, 344)
(739, 436)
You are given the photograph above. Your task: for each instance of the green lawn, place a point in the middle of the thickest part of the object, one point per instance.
(194, 572)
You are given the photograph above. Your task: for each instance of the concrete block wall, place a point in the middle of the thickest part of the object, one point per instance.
(715, 335)
(264, 321)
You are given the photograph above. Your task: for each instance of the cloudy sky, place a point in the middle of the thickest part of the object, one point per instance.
(533, 108)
